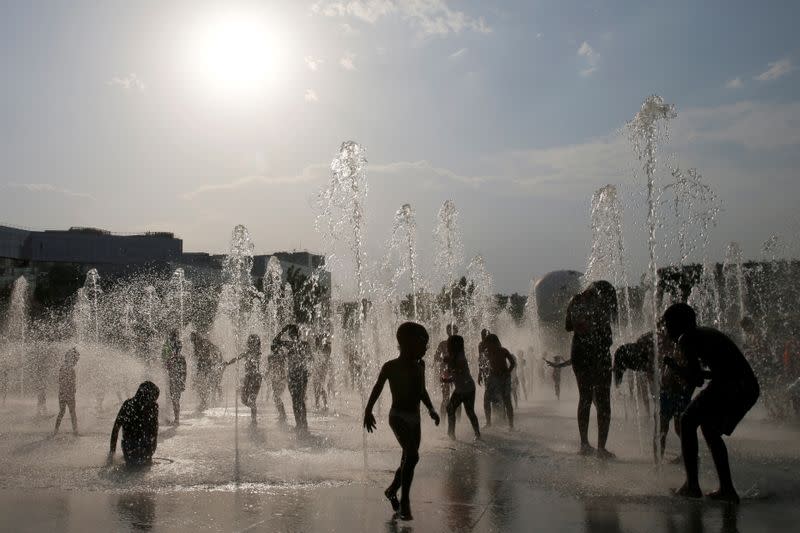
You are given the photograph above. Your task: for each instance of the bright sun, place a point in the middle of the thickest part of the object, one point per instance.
(234, 53)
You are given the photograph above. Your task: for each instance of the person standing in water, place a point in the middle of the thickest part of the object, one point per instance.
(589, 316)
(557, 360)
(442, 369)
(175, 365)
(298, 357)
(321, 373)
(501, 364)
(463, 386)
(251, 385)
(406, 377)
(731, 392)
(138, 419)
(206, 355)
(66, 390)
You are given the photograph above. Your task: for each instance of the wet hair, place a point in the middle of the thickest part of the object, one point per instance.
(680, 317)
(484, 334)
(410, 332)
(292, 330)
(148, 391)
(455, 329)
(747, 324)
(492, 340)
(455, 344)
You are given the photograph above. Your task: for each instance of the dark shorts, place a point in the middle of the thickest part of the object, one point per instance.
(721, 406)
(674, 404)
(250, 389)
(498, 387)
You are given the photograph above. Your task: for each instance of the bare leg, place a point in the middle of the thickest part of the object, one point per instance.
(62, 406)
(689, 448)
(719, 452)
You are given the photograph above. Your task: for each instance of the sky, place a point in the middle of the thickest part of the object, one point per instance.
(193, 116)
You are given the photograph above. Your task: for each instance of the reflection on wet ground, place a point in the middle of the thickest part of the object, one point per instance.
(523, 481)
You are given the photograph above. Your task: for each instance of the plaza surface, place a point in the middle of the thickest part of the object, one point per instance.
(527, 480)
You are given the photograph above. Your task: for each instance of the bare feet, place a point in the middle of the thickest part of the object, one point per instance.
(726, 496)
(405, 512)
(604, 454)
(393, 501)
(586, 449)
(688, 492)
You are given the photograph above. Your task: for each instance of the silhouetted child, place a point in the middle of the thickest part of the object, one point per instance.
(676, 392)
(322, 367)
(206, 356)
(138, 419)
(557, 360)
(589, 316)
(175, 365)
(463, 386)
(442, 369)
(498, 381)
(251, 385)
(66, 390)
(298, 357)
(406, 377)
(276, 362)
(732, 390)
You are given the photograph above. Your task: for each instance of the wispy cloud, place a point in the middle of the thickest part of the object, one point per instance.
(428, 17)
(311, 96)
(129, 82)
(347, 61)
(313, 63)
(776, 69)
(48, 188)
(458, 53)
(309, 173)
(735, 83)
(592, 58)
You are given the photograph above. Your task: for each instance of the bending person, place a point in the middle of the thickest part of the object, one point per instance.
(732, 390)
(138, 419)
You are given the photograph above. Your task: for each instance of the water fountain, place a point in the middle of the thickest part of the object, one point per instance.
(16, 324)
(232, 323)
(733, 276)
(178, 291)
(704, 297)
(607, 258)
(448, 255)
(341, 219)
(646, 130)
(403, 242)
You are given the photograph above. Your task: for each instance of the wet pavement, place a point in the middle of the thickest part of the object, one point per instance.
(528, 480)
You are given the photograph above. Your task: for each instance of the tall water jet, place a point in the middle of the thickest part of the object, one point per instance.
(449, 251)
(273, 296)
(341, 219)
(646, 130)
(480, 311)
(704, 297)
(607, 258)
(733, 276)
(178, 292)
(16, 326)
(92, 292)
(403, 241)
(232, 321)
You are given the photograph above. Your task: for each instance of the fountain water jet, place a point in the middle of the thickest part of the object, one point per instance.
(16, 326)
(341, 219)
(449, 254)
(645, 134)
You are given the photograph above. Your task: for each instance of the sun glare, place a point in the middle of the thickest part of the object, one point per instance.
(234, 53)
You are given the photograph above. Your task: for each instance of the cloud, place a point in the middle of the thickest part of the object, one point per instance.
(129, 82)
(309, 173)
(458, 53)
(347, 61)
(313, 63)
(777, 69)
(48, 188)
(311, 96)
(592, 58)
(428, 17)
(735, 83)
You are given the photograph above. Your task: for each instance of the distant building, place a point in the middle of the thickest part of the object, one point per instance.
(31, 253)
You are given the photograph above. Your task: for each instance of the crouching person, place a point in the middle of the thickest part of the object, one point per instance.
(138, 418)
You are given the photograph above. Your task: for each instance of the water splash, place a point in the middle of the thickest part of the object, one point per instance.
(449, 254)
(341, 219)
(17, 323)
(733, 276)
(647, 129)
(607, 258)
(695, 206)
